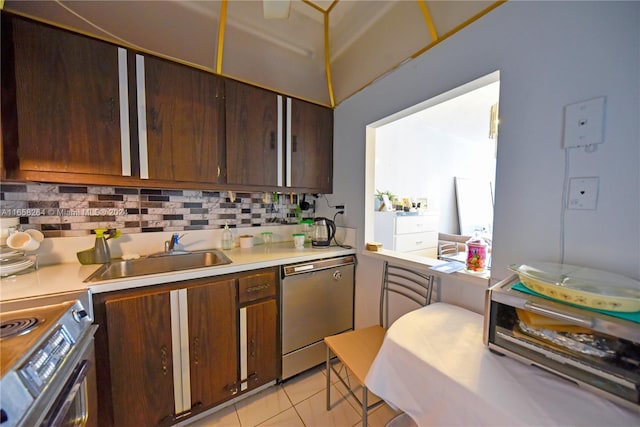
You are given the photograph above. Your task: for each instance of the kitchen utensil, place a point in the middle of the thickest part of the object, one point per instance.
(267, 236)
(304, 205)
(581, 286)
(324, 230)
(101, 254)
(86, 256)
(36, 234)
(298, 240)
(7, 226)
(22, 241)
(14, 265)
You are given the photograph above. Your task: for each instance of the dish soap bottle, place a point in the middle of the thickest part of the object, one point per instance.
(101, 253)
(227, 237)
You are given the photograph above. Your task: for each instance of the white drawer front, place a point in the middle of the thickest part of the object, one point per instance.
(416, 224)
(416, 241)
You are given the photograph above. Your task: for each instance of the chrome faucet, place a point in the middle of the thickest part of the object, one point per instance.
(170, 245)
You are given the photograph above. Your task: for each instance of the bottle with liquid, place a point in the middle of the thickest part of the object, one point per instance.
(227, 237)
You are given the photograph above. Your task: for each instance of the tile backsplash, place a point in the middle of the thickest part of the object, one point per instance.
(75, 210)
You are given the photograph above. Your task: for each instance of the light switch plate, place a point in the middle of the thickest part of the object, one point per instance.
(583, 193)
(584, 123)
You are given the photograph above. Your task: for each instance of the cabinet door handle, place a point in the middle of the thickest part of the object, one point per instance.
(154, 119)
(218, 171)
(164, 359)
(252, 347)
(123, 107)
(142, 117)
(272, 143)
(112, 107)
(258, 288)
(295, 144)
(196, 350)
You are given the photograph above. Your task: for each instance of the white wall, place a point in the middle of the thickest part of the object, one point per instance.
(414, 160)
(549, 54)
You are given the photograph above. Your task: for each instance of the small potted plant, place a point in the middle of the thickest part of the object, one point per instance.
(380, 204)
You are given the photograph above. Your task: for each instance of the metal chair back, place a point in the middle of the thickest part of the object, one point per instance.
(410, 283)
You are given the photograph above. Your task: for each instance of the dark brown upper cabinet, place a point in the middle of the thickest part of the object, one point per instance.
(60, 104)
(82, 111)
(253, 148)
(277, 141)
(182, 132)
(311, 147)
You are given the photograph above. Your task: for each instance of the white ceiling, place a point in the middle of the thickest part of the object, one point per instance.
(366, 38)
(466, 116)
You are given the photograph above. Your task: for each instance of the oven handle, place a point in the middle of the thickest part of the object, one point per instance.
(59, 412)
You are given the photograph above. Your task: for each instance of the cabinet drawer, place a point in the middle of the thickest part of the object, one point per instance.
(416, 241)
(257, 286)
(416, 224)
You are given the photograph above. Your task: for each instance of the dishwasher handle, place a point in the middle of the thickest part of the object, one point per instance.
(322, 264)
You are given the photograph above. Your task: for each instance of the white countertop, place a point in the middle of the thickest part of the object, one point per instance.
(65, 277)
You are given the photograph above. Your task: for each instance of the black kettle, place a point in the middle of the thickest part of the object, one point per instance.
(323, 231)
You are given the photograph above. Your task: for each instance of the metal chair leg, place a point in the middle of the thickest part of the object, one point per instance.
(365, 404)
(328, 379)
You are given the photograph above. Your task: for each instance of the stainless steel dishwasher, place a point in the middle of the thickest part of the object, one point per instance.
(316, 301)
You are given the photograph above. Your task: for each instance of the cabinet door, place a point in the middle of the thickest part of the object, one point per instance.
(68, 107)
(213, 342)
(262, 351)
(252, 135)
(185, 123)
(312, 146)
(139, 334)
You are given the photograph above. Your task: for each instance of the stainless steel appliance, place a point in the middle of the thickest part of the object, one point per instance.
(323, 231)
(316, 301)
(47, 356)
(597, 351)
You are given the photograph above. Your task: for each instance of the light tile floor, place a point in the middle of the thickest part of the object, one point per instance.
(299, 401)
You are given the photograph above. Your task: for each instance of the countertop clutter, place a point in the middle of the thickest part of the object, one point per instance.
(66, 277)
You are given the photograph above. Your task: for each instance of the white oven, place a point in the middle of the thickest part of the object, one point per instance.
(47, 361)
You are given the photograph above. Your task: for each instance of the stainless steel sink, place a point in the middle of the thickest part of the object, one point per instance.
(159, 263)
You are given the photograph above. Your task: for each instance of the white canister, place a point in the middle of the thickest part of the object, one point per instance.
(246, 241)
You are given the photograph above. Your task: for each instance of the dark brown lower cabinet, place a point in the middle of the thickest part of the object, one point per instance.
(262, 350)
(171, 351)
(140, 356)
(213, 342)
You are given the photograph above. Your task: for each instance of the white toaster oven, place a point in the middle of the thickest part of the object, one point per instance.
(599, 352)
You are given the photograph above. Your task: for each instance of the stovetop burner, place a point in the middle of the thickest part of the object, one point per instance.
(15, 327)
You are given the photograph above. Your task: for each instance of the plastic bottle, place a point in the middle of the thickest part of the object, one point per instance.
(101, 252)
(227, 237)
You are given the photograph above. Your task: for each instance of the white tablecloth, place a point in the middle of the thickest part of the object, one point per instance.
(433, 366)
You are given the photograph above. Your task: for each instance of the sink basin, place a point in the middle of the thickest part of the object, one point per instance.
(122, 269)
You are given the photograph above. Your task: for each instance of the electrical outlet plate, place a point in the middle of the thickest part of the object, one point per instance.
(583, 193)
(584, 123)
